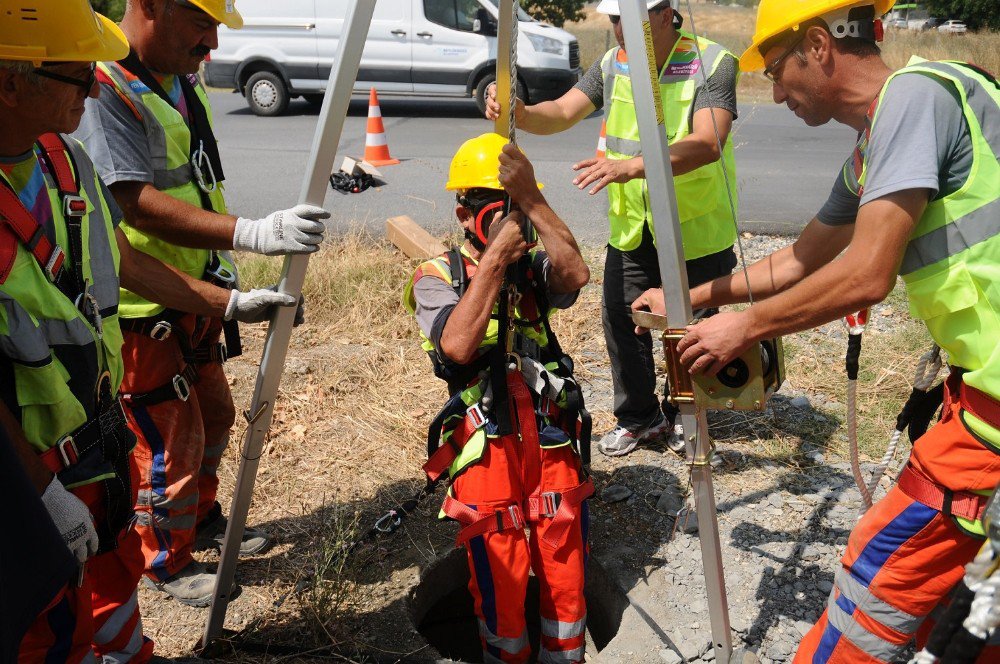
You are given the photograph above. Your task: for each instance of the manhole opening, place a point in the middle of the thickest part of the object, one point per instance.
(441, 608)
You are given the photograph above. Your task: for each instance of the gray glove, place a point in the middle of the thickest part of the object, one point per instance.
(72, 519)
(255, 306)
(295, 231)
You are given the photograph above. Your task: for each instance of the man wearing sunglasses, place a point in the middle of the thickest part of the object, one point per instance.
(530, 474)
(61, 366)
(151, 137)
(918, 199)
(697, 82)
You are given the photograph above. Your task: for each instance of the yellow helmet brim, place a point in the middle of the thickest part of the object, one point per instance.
(114, 44)
(223, 12)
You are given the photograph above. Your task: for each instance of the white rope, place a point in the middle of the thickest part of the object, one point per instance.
(721, 161)
(984, 614)
(852, 437)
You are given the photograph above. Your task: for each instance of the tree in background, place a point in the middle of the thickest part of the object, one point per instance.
(557, 12)
(977, 14)
(113, 9)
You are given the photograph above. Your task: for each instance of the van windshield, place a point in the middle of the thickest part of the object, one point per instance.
(521, 14)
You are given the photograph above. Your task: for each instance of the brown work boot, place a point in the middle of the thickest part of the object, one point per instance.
(211, 533)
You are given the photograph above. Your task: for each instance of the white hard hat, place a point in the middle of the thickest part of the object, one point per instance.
(611, 6)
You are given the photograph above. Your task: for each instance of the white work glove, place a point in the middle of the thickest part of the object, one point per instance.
(295, 231)
(255, 306)
(72, 519)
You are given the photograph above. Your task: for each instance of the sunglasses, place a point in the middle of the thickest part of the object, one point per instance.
(86, 84)
(770, 72)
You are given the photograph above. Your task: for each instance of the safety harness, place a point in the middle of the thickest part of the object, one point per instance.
(537, 399)
(99, 448)
(204, 152)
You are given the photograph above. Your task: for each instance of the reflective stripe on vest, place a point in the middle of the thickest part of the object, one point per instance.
(55, 353)
(702, 195)
(169, 142)
(950, 266)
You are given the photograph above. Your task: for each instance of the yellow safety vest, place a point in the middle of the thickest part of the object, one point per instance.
(702, 198)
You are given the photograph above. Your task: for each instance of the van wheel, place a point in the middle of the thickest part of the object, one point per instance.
(314, 99)
(485, 82)
(266, 94)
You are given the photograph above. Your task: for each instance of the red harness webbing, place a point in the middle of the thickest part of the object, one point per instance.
(21, 224)
(964, 504)
(980, 404)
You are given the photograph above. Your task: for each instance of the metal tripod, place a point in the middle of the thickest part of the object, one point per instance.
(354, 33)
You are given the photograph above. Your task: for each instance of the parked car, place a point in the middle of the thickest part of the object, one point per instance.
(897, 23)
(954, 27)
(931, 23)
(414, 47)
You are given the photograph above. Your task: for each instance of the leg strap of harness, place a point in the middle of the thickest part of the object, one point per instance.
(477, 523)
(178, 387)
(71, 447)
(964, 504)
(561, 507)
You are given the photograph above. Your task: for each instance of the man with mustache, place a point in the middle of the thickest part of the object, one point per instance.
(150, 135)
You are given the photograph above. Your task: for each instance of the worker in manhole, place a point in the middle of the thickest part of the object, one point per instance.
(151, 136)
(697, 81)
(514, 436)
(917, 198)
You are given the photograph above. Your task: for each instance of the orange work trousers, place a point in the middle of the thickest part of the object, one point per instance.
(100, 615)
(499, 562)
(904, 558)
(179, 443)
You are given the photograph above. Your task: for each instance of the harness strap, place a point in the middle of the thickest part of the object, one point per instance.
(980, 404)
(16, 217)
(561, 507)
(964, 504)
(178, 387)
(478, 523)
(74, 445)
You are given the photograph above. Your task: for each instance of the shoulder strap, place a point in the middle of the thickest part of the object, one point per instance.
(17, 219)
(57, 156)
(459, 276)
(202, 136)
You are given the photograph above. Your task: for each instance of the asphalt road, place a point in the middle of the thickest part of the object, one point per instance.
(785, 169)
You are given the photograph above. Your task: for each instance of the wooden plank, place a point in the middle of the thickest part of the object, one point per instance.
(412, 239)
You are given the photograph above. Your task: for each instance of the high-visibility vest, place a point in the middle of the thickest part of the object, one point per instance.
(56, 355)
(526, 309)
(169, 142)
(702, 198)
(951, 266)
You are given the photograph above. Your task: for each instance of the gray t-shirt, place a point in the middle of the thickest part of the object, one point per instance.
(436, 299)
(920, 140)
(718, 92)
(115, 138)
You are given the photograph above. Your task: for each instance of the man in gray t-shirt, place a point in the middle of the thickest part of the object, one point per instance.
(917, 199)
(686, 63)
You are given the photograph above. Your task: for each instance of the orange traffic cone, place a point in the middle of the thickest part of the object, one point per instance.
(602, 142)
(376, 147)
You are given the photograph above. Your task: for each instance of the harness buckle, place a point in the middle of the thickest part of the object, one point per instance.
(550, 501)
(181, 387)
(515, 516)
(220, 274)
(74, 206)
(161, 331)
(87, 305)
(68, 453)
(475, 415)
(54, 266)
(388, 522)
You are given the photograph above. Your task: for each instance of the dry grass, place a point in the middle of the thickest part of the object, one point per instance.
(347, 442)
(733, 27)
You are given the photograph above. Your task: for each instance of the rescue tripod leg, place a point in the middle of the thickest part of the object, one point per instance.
(656, 157)
(324, 150)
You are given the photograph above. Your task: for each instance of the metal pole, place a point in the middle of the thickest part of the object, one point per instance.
(670, 252)
(354, 33)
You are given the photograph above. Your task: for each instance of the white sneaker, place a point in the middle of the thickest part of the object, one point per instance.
(675, 439)
(621, 441)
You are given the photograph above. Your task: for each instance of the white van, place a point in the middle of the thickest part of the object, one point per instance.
(415, 47)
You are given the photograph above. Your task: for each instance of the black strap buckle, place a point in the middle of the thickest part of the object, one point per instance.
(68, 452)
(181, 387)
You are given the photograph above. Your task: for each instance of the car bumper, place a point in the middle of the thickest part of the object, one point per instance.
(220, 74)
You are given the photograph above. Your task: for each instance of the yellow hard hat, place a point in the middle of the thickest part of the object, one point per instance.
(223, 11)
(59, 31)
(477, 164)
(777, 16)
